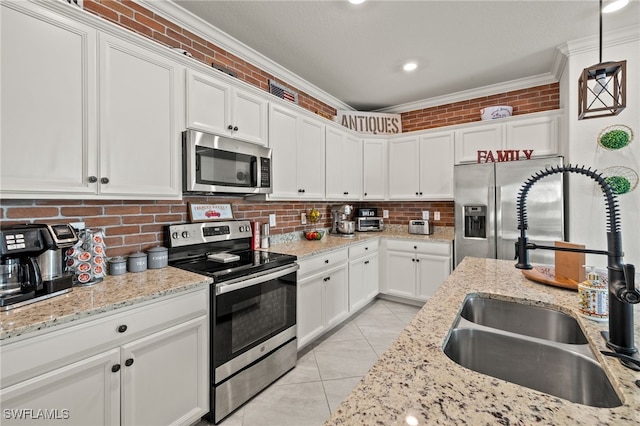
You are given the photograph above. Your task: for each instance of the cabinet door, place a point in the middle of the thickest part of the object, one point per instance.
(310, 159)
(400, 274)
(283, 134)
(335, 164)
(404, 168)
(48, 131)
(470, 140)
(83, 393)
(356, 284)
(140, 97)
(374, 169)
(165, 376)
(432, 271)
(309, 309)
(371, 279)
(208, 104)
(539, 134)
(352, 167)
(436, 166)
(249, 116)
(336, 297)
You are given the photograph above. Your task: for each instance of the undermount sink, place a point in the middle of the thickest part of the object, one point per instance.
(534, 321)
(531, 346)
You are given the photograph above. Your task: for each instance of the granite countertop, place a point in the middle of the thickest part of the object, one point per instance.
(112, 293)
(415, 378)
(303, 248)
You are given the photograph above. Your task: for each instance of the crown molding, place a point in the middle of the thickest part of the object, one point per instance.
(479, 92)
(178, 15)
(610, 38)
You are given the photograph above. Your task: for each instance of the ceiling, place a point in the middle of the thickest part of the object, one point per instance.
(355, 53)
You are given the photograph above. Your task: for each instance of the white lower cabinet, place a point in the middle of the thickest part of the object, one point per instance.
(363, 274)
(146, 365)
(414, 270)
(323, 294)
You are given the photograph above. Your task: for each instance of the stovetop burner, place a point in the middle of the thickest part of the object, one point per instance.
(211, 249)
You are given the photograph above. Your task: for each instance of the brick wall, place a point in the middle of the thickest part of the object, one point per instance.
(140, 20)
(524, 101)
(131, 226)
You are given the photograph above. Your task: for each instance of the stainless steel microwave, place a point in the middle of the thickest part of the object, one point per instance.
(212, 163)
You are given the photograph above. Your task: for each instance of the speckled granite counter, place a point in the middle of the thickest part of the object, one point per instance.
(112, 293)
(415, 378)
(303, 248)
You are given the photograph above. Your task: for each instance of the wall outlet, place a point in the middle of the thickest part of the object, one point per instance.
(303, 218)
(272, 220)
(385, 214)
(436, 216)
(425, 214)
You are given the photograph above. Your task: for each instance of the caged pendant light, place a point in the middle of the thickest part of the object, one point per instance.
(602, 87)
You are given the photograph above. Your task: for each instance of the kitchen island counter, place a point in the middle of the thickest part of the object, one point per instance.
(415, 381)
(112, 293)
(303, 248)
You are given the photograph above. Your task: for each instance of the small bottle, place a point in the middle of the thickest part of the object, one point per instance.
(264, 242)
(593, 296)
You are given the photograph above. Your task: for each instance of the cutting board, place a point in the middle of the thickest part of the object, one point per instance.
(567, 273)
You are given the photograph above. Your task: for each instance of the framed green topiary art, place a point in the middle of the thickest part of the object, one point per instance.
(615, 137)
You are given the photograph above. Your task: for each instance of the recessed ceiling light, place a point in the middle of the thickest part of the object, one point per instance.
(356, 1)
(410, 66)
(614, 5)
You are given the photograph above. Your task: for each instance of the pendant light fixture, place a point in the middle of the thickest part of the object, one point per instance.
(602, 88)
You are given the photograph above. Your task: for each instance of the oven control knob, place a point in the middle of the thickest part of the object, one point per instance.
(185, 234)
(175, 235)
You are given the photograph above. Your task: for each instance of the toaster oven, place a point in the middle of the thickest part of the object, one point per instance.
(364, 224)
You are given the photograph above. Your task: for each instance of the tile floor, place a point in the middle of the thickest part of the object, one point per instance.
(326, 371)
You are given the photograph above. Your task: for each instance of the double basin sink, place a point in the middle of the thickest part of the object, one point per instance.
(532, 346)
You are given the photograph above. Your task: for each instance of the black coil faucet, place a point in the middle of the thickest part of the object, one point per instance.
(622, 291)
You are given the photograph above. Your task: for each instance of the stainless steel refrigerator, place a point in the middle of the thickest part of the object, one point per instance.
(486, 220)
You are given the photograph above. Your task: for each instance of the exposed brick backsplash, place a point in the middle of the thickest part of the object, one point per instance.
(524, 101)
(131, 226)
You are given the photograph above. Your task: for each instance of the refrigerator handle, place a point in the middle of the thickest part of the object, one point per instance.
(491, 225)
(498, 213)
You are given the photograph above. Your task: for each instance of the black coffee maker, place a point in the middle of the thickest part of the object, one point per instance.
(21, 279)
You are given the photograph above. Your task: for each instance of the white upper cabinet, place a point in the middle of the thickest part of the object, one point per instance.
(374, 169)
(140, 98)
(298, 155)
(404, 168)
(421, 167)
(537, 134)
(215, 106)
(48, 103)
(105, 131)
(436, 166)
(343, 165)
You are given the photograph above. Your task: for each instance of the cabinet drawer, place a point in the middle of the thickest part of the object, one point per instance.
(30, 357)
(423, 247)
(363, 248)
(316, 263)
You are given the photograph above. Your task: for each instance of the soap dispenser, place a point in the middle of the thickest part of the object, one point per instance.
(593, 296)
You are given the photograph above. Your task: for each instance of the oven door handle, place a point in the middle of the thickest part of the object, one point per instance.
(254, 279)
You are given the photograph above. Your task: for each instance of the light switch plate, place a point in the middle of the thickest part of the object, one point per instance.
(303, 218)
(425, 214)
(385, 214)
(272, 220)
(436, 216)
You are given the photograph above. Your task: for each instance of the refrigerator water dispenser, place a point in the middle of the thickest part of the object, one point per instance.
(475, 221)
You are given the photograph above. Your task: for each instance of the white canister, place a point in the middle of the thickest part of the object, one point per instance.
(157, 257)
(593, 297)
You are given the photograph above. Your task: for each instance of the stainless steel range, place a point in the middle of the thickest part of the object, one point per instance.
(253, 308)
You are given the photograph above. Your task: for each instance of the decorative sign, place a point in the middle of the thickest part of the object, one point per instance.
(209, 212)
(374, 123)
(502, 155)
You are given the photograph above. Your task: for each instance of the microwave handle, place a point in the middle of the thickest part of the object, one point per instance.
(254, 172)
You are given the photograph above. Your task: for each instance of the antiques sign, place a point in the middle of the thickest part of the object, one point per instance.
(374, 123)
